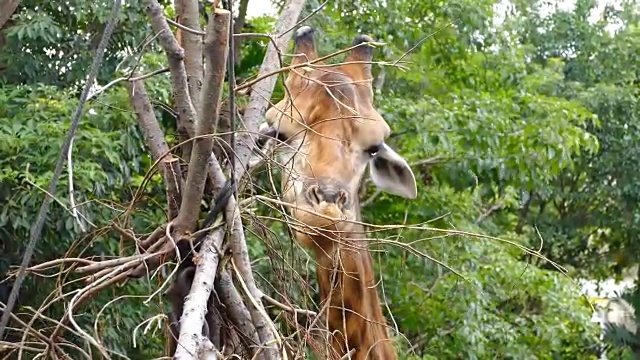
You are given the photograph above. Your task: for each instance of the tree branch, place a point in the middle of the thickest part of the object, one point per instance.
(262, 91)
(189, 16)
(154, 138)
(175, 56)
(241, 258)
(187, 116)
(191, 341)
(237, 29)
(153, 135)
(7, 9)
(216, 49)
(236, 310)
(202, 146)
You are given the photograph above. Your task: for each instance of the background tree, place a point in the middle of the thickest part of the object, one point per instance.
(521, 132)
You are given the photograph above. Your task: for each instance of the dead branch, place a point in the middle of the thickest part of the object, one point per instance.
(222, 147)
(173, 184)
(190, 203)
(175, 56)
(231, 79)
(187, 29)
(191, 341)
(155, 140)
(290, 309)
(189, 16)
(238, 243)
(153, 134)
(129, 77)
(216, 50)
(6, 10)
(156, 235)
(241, 258)
(237, 29)
(261, 92)
(236, 310)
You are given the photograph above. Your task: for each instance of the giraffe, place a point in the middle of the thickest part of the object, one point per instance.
(332, 133)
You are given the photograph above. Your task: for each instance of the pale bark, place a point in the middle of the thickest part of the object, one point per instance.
(191, 343)
(236, 310)
(189, 16)
(175, 56)
(241, 259)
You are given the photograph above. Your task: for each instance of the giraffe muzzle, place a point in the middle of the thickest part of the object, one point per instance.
(327, 192)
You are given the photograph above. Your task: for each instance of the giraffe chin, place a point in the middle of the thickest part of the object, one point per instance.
(325, 215)
(330, 219)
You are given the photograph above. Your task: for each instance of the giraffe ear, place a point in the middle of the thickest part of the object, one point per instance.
(391, 173)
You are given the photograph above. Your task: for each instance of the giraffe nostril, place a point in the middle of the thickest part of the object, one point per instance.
(327, 192)
(342, 197)
(314, 194)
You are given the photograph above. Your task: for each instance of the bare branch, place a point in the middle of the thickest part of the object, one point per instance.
(261, 92)
(173, 185)
(191, 341)
(237, 29)
(189, 16)
(6, 10)
(285, 307)
(216, 49)
(180, 26)
(236, 310)
(155, 140)
(153, 134)
(241, 258)
(128, 78)
(175, 56)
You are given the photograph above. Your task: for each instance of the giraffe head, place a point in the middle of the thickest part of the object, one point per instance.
(332, 132)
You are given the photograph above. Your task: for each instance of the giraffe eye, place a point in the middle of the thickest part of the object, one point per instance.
(373, 150)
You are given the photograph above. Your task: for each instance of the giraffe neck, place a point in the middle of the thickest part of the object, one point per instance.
(347, 283)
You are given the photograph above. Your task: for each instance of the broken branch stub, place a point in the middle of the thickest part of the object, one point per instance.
(191, 340)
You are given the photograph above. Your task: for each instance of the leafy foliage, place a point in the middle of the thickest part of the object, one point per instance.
(108, 165)
(53, 42)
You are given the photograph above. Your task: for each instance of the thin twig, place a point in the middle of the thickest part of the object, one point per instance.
(284, 307)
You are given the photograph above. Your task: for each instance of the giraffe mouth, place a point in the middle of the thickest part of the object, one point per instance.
(323, 203)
